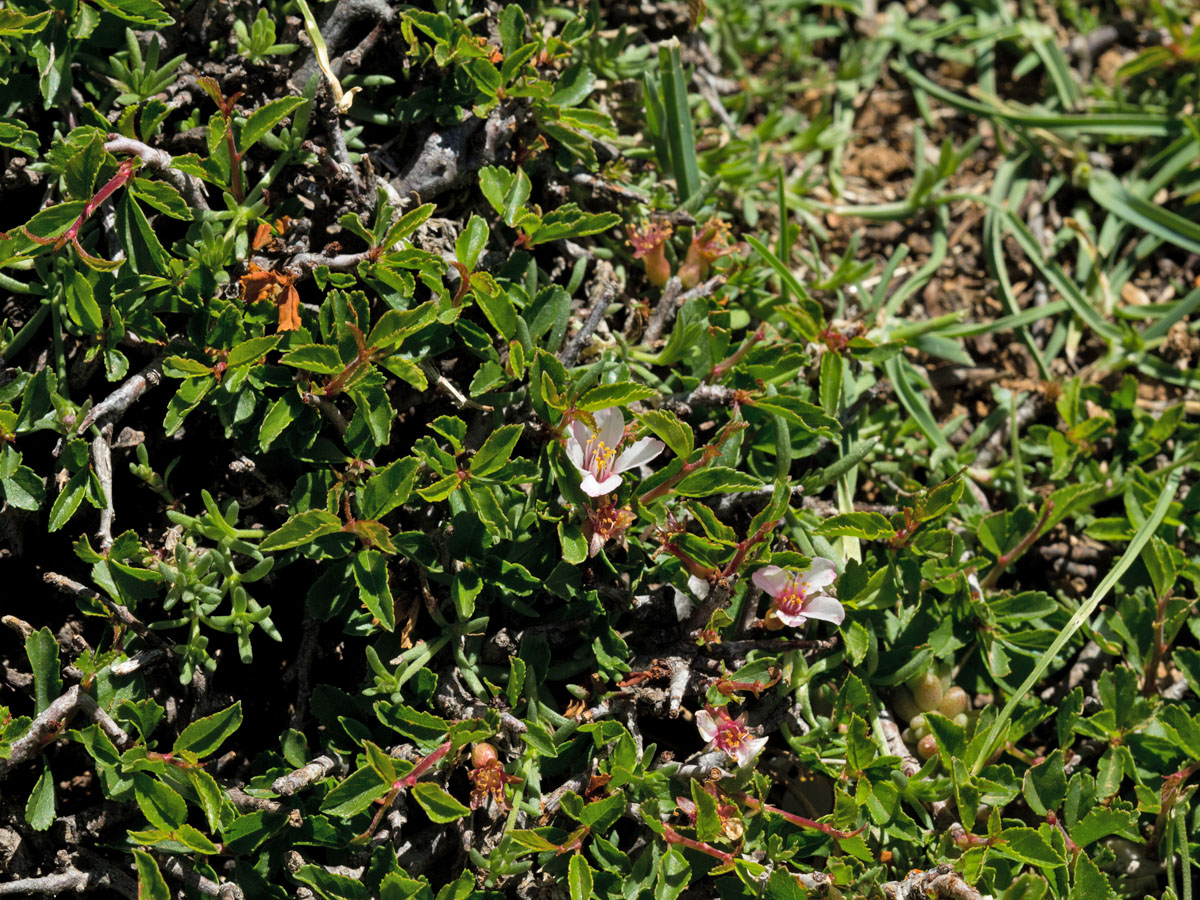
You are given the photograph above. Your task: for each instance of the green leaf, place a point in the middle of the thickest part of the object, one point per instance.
(1027, 846)
(251, 351)
(151, 884)
(622, 393)
(160, 804)
(195, 840)
(1045, 785)
(579, 878)
(569, 221)
(371, 576)
(139, 12)
(301, 529)
(139, 241)
(333, 886)
(266, 117)
(537, 737)
(407, 224)
(42, 650)
(496, 450)
(14, 22)
(81, 305)
(68, 500)
(397, 324)
(463, 590)
(1090, 883)
(355, 794)
(438, 805)
(161, 196)
(204, 736)
(716, 480)
(673, 432)
(495, 303)
(468, 247)
(40, 807)
(388, 488)
(868, 526)
(319, 358)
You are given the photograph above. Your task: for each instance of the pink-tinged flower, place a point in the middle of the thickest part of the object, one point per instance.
(594, 453)
(799, 596)
(649, 243)
(729, 735)
(605, 523)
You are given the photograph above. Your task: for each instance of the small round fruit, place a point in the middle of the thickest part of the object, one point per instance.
(955, 701)
(903, 703)
(927, 748)
(919, 723)
(927, 691)
(909, 736)
(482, 754)
(961, 720)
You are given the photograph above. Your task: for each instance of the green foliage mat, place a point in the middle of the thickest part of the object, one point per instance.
(621, 450)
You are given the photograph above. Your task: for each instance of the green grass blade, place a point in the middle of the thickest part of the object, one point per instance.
(1107, 191)
(680, 137)
(1140, 539)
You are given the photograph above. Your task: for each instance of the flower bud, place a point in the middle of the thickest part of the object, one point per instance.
(927, 747)
(955, 701)
(927, 690)
(903, 703)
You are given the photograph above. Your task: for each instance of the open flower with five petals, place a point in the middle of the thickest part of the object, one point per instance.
(594, 453)
(800, 595)
(728, 734)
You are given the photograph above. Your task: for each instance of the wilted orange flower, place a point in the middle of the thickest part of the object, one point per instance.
(263, 284)
(709, 243)
(649, 245)
(266, 233)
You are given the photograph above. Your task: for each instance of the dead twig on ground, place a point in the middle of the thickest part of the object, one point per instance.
(54, 719)
(605, 289)
(942, 883)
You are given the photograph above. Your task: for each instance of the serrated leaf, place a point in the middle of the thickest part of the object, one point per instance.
(1026, 845)
(438, 805)
(579, 878)
(673, 431)
(407, 224)
(266, 117)
(151, 884)
(716, 480)
(40, 807)
(371, 576)
(251, 351)
(161, 805)
(622, 393)
(355, 794)
(205, 736)
(868, 526)
(301, 529)
(42, 650)
(496, 450)
(319, 358)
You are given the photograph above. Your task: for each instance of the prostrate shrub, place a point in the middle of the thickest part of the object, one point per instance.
(556, 451)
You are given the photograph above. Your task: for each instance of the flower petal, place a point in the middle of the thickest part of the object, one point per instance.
(639, 454)
(746, 752)
(792, 620)
(594, 488)
(575, 452)
(822, 606)
(706, 725)
(610, 426)
(771, 579)
(821, 573)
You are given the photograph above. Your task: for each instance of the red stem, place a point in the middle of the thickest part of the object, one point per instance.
(710, 453)
(1006, 559)
(754, 803)
(674, 837)
(719, 370)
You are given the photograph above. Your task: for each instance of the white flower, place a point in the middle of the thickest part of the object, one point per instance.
(729, 734)
(594, 453)
(799, 596)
